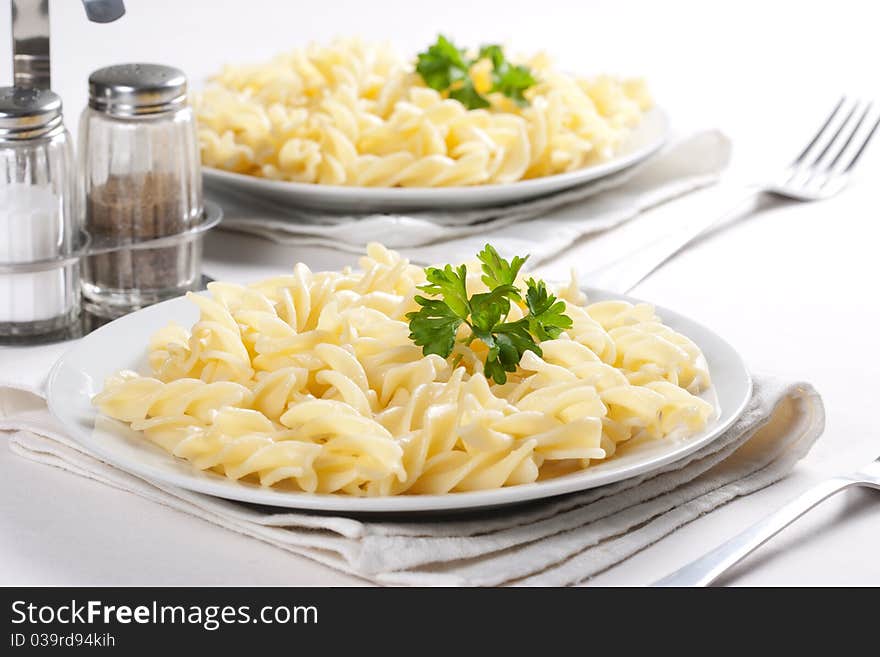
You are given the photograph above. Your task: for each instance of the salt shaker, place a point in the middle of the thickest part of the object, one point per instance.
(141, 179)
(40, 238)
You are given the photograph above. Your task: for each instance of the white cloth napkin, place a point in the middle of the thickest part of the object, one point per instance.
(554, 222)
(560, 541)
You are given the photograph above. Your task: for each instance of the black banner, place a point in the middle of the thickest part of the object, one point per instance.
(369, 620)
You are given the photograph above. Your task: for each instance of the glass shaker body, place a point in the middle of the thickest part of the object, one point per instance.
(40, 237)
(141, 180)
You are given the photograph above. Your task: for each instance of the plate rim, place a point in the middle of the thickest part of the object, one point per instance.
(395, 504)
(398, 197)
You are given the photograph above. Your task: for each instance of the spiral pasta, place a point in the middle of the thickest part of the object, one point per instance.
(355, 114)
(310, 381)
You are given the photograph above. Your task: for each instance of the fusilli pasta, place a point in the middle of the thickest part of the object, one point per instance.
(351, 113)
(310, 381)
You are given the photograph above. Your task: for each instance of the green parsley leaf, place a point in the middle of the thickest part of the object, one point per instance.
(489, 308)
(468, 96)
(508, 79)
(498, 271)
(518, 333)
(501, 360)
(442, 64)
(493, 369)
(512, 81)
(434, 326)
(452, 285)
(494, 54)
(546, 316)
(512, 340)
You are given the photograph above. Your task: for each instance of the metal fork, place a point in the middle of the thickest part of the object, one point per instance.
(821, 170)
(711, 566)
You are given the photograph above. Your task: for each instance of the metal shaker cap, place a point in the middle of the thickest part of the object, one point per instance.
(137, 89)
(28, 113)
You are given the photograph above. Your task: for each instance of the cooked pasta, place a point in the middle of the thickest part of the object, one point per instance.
(310, 381)
(351, 113)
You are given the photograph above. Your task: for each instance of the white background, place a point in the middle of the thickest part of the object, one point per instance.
(794, 289)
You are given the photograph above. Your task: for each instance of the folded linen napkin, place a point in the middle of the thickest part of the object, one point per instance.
(555, 221)
(560, 541)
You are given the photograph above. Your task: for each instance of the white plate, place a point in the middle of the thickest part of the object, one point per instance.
(645, 140)
(80, 374)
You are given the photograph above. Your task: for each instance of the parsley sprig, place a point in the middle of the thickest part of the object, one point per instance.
(446, 68)
(435, 326)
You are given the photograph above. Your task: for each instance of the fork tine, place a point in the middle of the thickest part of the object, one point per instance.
(819, 134)
(818, 161)
(862, 148)
(849, 139)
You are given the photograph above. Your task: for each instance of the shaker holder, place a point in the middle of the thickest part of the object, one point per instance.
(88, 246)
(48, 264)
(211, 216)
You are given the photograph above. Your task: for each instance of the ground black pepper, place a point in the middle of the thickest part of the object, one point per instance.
(135, 208)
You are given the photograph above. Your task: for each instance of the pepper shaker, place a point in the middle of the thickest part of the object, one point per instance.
(141, 178)
(40, 237)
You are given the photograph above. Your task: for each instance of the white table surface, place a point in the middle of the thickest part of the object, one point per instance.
(794, 289)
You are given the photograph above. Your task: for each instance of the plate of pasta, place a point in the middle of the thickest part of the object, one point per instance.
(354, 126)
(392, 388)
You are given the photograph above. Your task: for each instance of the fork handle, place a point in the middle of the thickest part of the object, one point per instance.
(625, 273)
(709, 567)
